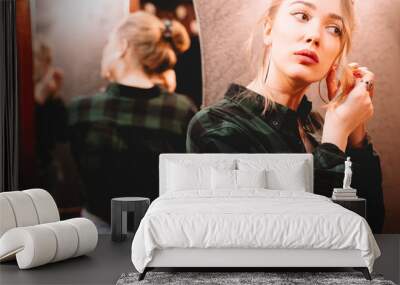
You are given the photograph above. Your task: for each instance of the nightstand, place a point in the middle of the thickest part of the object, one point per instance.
(357, 205)
(119, 210)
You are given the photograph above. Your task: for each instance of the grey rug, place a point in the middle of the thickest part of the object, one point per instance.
(230, 278)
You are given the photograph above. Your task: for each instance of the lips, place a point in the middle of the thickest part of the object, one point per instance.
(308, 53)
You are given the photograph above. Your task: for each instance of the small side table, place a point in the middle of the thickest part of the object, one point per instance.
(357, 205)
(119, 209)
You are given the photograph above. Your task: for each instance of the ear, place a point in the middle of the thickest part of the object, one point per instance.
(267, 38)
(123, 48)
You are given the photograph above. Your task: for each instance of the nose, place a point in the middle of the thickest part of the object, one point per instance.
(313, 40)
(313, 35)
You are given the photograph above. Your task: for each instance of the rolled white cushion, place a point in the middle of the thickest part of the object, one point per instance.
(33, 246)
(7, 218)
(45, 205)
(26, 208)
(40, 244)
(67, 240)
(23, 208)
(87, 234)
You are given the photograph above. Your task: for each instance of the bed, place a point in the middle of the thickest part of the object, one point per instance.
(246, 211)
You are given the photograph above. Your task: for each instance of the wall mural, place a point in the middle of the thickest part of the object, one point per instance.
(97, 138)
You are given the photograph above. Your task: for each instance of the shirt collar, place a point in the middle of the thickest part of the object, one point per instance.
(276, 117)
(117, 89)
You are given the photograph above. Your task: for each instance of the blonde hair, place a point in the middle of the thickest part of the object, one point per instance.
(155, 45)
(345, 74)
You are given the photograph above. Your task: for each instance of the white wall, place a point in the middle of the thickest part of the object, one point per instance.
(77, 31)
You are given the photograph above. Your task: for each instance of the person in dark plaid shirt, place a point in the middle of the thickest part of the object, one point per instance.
(117, 135)
(273, 115)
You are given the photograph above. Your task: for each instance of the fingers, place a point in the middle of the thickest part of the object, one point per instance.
(363, 83)
(357, 70)
(362, 92)
(331, 83)
(367, 81)
(364, 77)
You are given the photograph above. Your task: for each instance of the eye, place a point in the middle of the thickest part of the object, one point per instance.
(336, 30)
(301, 16)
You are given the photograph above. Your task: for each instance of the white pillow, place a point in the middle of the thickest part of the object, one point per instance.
(193, 175)
(290, 179)
(183, 178)
(289, 174)
(237, 179)
(251, 178)
(223, 179)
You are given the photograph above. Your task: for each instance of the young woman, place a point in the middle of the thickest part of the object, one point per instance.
(304, 42)
(117, 135)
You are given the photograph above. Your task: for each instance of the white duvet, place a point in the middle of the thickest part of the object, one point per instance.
(253, 218)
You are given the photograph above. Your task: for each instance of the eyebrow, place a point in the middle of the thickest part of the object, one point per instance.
(312, 6)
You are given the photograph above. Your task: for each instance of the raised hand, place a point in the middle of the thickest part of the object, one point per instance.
(345, 121)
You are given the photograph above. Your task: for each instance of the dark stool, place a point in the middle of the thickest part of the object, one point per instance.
(357, 205)
(119, 209)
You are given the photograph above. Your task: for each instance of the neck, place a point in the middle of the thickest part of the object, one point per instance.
(132, 76)
(280, 88)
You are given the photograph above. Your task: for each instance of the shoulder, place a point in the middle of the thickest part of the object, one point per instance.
(174, 97)
(87, 99)
(215, 120)
(180, 102)
(208, 133)
(181, 99)
(80, 107)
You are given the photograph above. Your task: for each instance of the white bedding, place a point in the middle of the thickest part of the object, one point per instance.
(251, 218)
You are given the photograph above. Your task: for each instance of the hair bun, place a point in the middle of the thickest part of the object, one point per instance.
(155, 42)
(167, 33)
(175, 33)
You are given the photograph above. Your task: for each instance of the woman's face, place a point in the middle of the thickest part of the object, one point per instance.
(310, 25)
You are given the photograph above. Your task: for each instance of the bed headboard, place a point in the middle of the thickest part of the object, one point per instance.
(164, 158)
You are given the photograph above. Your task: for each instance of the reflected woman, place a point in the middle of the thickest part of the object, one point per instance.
(117, 135)
(304, 42)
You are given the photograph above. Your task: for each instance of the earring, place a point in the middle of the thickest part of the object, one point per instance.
(266, 75)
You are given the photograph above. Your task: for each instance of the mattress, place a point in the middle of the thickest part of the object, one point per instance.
(250, 218)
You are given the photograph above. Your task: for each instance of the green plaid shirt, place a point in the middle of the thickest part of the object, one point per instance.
(139, 109)
(236, 125)
(116, 137)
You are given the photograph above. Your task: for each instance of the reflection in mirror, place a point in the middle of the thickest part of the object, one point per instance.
(113, 88)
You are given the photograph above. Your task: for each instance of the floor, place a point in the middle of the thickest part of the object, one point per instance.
(389, 262)
(110, 260)
(103, 266)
